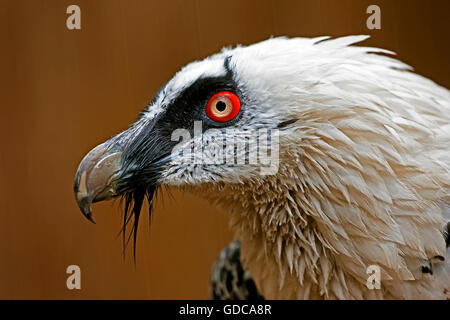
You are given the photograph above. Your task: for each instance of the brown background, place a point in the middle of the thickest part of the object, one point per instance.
(62, 92)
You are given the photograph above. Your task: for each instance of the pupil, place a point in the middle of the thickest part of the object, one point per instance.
(221, 106)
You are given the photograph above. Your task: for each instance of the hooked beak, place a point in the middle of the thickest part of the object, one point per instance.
(95, 178)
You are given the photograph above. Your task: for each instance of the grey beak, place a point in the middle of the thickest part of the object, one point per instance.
(94, 180)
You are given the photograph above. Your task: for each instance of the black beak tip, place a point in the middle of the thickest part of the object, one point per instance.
(91, 219)
(85, 206)
(89, 216)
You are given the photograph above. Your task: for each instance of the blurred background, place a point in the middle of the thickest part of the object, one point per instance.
(64, 91)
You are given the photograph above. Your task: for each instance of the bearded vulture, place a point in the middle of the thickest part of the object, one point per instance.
(359, 185)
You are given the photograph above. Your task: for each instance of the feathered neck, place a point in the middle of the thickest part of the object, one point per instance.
(311, 232)
(282, 246)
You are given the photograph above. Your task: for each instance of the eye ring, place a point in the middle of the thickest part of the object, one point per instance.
(224, 106)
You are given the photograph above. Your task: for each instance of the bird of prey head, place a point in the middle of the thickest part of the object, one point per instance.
(229, 100)
(331, 158)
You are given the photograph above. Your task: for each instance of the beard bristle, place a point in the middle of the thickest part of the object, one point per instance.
(133, 202)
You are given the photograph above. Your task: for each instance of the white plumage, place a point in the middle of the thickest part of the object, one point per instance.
(364, 173)
(364, 170)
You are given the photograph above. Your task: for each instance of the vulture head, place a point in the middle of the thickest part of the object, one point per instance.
(219, 122)
(323, 152)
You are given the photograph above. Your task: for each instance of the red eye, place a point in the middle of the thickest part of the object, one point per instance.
(223, 106)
